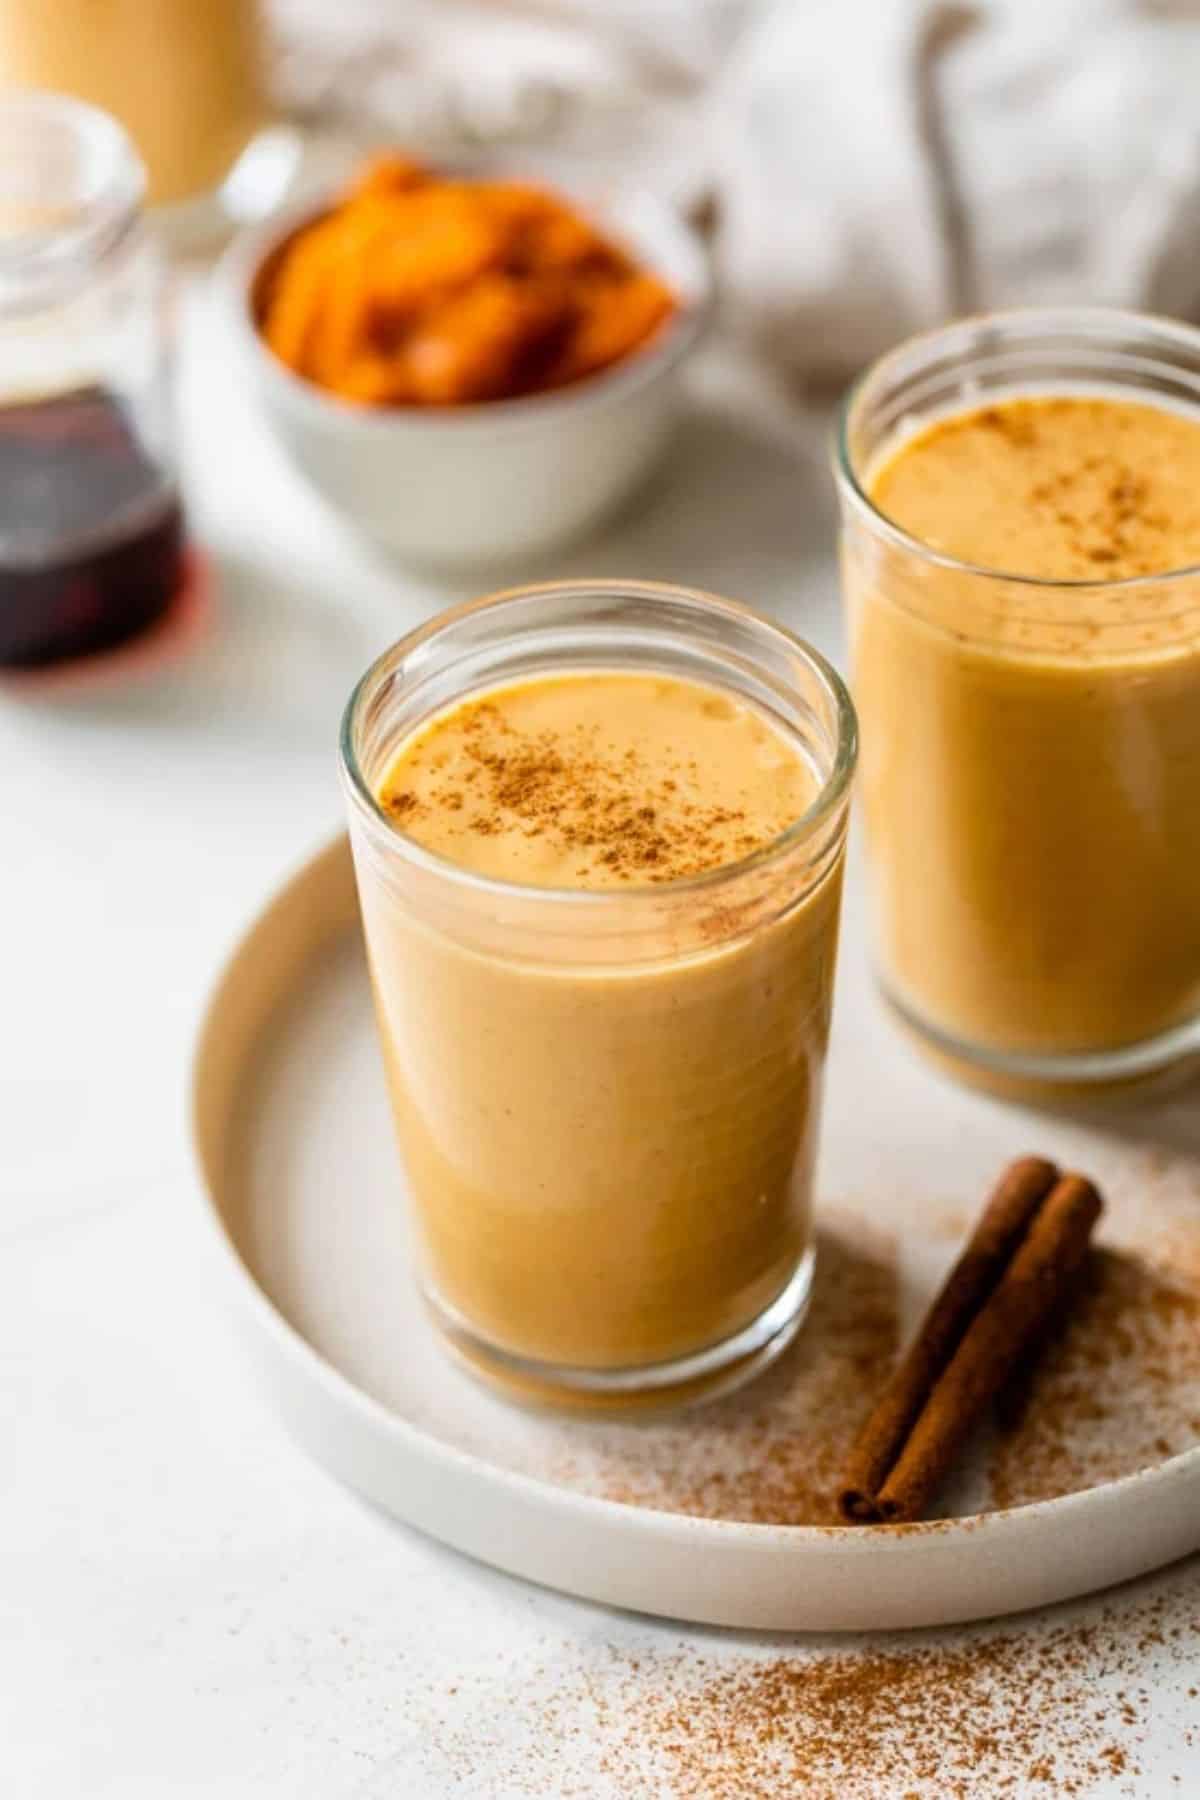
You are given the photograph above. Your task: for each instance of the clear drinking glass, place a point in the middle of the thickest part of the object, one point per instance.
(187, 81)
(606, 1102)
(1031, 749)
(184, 77)
(91, 529)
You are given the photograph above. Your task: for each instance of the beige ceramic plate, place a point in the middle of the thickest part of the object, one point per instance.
(715, 1515)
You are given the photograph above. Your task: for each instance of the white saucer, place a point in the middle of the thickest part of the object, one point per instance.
(303, 1188)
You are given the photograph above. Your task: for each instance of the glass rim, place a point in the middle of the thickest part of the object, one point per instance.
(851, 488)
(94, 220)
(830, 795)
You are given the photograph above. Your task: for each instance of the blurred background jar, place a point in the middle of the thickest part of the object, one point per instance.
(184, 77)
(91, 530)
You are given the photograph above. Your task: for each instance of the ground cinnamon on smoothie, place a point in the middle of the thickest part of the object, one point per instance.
(1099, 490)
(585, 785)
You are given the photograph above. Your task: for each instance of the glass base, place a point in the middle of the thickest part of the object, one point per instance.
(656, 1387)
(1151, 1064)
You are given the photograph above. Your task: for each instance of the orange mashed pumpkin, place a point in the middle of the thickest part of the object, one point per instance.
(422, 290)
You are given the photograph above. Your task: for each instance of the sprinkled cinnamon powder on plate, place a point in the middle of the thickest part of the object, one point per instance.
(1118, 1392)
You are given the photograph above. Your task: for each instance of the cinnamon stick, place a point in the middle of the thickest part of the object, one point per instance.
(1035, 1279)
(1013, 1203)
(1017, 1268)
(1014, 1397)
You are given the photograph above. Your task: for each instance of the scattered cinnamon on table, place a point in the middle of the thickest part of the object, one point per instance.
(1016, 1270)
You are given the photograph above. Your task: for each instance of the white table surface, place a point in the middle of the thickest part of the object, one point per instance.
(187, 1606)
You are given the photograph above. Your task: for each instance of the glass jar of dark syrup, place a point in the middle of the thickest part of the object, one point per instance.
(91, 531)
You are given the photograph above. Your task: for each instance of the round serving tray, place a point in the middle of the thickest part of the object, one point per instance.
(302, 1187)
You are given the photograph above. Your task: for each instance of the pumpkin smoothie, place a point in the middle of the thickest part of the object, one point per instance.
(184, 79)
(1030, 697)
(608, 1122)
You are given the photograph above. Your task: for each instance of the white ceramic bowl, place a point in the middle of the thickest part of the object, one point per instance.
(501, 479)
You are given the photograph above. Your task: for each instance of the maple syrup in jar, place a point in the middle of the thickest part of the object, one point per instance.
(91, 530)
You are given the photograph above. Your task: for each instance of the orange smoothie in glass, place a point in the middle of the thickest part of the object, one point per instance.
(1026, 657)
(603, 995)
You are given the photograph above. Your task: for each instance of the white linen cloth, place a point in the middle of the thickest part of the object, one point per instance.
(872, 166)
